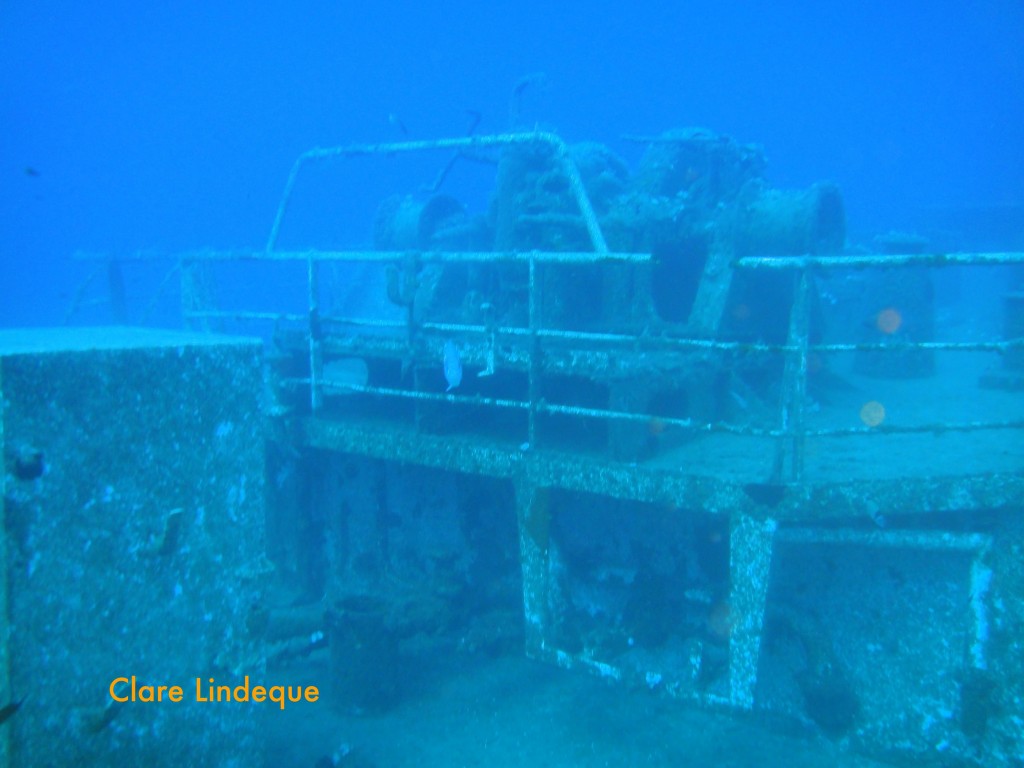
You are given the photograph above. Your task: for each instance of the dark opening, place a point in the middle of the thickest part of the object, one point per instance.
(677, 271)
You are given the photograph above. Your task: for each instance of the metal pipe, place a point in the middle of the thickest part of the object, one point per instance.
(799, 332)
(540, 407)
(151, 307)
(366, 322)
(460, 142)
(570, 257)
(928, 540)
(533, 384)
(384, 257)
(686, 424)
(409, 394)
(315, 332)
(582, 199)
(948, 346)
(610, 338)
(614, 338)
(245, 315)
(466, 142)
(971, 426)
(880, 260)
(293, 174)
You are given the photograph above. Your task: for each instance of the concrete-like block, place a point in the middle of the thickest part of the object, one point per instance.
(133, 503)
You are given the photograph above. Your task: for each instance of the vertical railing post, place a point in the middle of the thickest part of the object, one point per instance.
(534, 384)
(192, 296)
(795, 377)
(118, 300)
(315, 334)
(533, 512)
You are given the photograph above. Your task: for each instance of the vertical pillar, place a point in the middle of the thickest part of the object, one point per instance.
(713, 289)
(534, 372)
(315, 352)
(5, 683)
(115, 284)
(190, 296)
(750, 557)
(534, 517)
(795, 375)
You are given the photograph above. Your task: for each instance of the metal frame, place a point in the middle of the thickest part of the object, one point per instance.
(752, 532)
(790, 430)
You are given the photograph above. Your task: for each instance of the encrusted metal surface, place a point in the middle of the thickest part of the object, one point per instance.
(750, 559)
(701, 479)
(137, 546)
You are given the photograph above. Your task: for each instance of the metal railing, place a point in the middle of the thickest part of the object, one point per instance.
(790, 431)
(799, 348)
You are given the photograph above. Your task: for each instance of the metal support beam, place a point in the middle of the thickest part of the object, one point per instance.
(713, 290)
(883, 261)
(560, 148)
(750, 558)
(315, 336)
(794, 380)
(373, 256)
(534, 516)
(933, 541)
(534, 356)
(978, 544)
(5, 633)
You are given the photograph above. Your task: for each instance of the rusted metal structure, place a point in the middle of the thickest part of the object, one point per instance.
(587, 386)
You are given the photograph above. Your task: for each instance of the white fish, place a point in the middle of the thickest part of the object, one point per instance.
(452, 365)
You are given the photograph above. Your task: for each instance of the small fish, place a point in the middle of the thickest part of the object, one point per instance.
(7, 711)
(30, 171)
(452, 365)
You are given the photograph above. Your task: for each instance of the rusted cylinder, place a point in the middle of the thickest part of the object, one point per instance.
(777, 222)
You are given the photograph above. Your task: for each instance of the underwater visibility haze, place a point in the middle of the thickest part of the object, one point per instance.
(466, 383)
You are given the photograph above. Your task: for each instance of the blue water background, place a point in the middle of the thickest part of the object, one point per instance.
(127, 125)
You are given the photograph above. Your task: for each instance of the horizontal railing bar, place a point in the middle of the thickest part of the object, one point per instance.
(935, 346)
(408, 394)
(667, 341)
(559, 147)
(440, 397)
(980, 346)
(672, 341)
(686, 424)
(384, 257)
(367, 322)
(550, 408)
(462, 142)
(927, 540)
(865, 261)
(568, 257)
(970, 426)
(611, 338)
(600, 413)
(211, 314)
